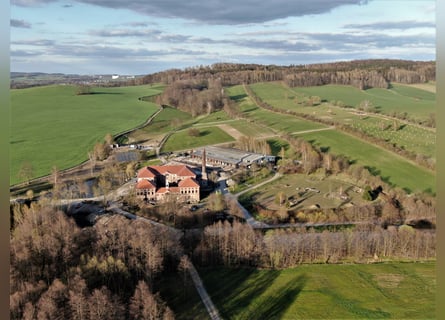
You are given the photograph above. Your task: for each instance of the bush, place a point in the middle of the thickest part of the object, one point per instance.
(193, 132)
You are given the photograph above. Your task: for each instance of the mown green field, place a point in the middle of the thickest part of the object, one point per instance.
(399, 98)
(275, 121)
(166, 121)
(391, 167)
(394, 169)
(410, 137)
(373, 291)
(52, 126)
(181, 140)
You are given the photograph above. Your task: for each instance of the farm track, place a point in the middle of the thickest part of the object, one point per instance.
(358, 138)
(375, 115)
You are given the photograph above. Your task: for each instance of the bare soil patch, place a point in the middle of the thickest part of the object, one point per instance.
(389, 280)
(231, 131)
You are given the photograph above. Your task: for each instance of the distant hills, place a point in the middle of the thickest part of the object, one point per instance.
(359, 73)
(30, 79)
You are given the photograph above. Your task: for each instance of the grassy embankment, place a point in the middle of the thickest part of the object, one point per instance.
(52, 126)
(373, 291)
(408, 136)
(395, 169)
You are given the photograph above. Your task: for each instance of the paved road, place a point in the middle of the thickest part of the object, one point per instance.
(234, 197)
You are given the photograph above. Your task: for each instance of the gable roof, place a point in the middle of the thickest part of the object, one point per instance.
(188, 183)
(179, 170)
(146, 172)
(145, 184)
(168, 190)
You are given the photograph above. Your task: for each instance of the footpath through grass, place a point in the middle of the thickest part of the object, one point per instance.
(374, 291)
(52, 126)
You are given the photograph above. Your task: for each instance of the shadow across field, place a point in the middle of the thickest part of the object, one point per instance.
(242, 295)
(103, 92)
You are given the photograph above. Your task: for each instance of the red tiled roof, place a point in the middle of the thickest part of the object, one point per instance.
(146, 172)
(145, 184)
(170, 189)
(179, 170)
(188, 183)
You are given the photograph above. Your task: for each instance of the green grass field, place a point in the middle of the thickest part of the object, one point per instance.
(399, 98)
(373, 291)
(181, 140)
(52, 126)
(412, 138)
(162, 124)
(392, 168)
(275, 121)
(181, 296)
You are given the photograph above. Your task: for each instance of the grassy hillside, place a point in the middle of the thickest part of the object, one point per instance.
(54, 126)
(391, 167)
(399, 98)
(395, 169)
(405, 135)
(375, 291)
(181, 140)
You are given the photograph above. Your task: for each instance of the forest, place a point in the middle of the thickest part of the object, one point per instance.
(361, 73)
(61, 271)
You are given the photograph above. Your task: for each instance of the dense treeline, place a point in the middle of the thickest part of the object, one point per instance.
(239, 245)
(60, 271)
(194, 96)
(361, 73)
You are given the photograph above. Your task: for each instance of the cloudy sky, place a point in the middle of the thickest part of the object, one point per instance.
(145, 36)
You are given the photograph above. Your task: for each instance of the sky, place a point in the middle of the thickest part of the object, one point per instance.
(136, 37)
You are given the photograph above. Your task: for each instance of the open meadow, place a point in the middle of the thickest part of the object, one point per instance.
(393, 168)
(403, 134)
(181, 140)
(398, 98)
(52, 126)
(372, 291)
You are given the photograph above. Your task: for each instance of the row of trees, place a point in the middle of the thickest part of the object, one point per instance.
(251, 144)
(60, 271)
(239, 245)
(361, 73)
(194, 96)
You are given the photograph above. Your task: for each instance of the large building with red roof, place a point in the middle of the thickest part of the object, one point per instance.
(157, 183)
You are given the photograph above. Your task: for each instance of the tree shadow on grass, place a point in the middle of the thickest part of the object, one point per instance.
(204, 133)
(238, 290)
(241, 293)
(354, 307)
(274, 307)
(238, 97)
(103, 92)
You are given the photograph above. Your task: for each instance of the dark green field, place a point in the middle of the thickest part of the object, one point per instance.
(52, 126)
(181, 140)
(373, 291)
